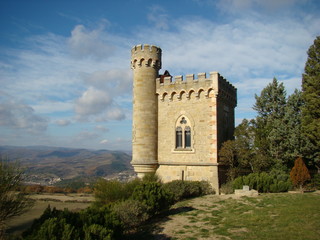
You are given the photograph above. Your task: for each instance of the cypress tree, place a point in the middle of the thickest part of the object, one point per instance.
(311, 108)
(299, 173)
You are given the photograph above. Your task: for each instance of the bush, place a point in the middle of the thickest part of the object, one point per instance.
(53, 229)
(154, 196)
(227, 188)
(91, 223)
(263, 182)
(187, 189)
(151, 177)
(109, 191)
(131, 213)
(299, 173)
(314, 183)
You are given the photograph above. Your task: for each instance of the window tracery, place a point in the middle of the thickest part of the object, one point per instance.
(183, 139)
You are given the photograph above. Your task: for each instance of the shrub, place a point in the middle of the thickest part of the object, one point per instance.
(177, 188)
(154, 196)
(91, 223)
(315, 182)
(227, 188)
(187, 189)
(263, 182)
(53, 229)
(110, 191)
(299, 173)
(151, 177)
(101, 223)
(280, 186)
(131, 213)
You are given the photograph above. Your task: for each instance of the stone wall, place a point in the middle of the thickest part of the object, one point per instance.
(206, 104)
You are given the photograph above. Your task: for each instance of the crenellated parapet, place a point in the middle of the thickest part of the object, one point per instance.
(212, 85)
(145, 56)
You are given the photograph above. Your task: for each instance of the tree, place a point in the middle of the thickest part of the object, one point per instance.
(299, 173)
(270, 106)
(311, 108)
(247, 152)
(12, 203)
(228, 157)
(293, 142)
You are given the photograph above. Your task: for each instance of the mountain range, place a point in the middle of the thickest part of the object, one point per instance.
(43, 164)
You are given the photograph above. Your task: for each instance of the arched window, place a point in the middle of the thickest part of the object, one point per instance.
(183, 134)
(178, 137)
(187, 137)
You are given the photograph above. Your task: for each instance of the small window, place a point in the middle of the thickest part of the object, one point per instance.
(187, 137)
(178, 137)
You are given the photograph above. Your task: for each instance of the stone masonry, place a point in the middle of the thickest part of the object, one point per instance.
(179, 124)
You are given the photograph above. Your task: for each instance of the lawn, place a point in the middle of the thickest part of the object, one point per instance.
(268, 216)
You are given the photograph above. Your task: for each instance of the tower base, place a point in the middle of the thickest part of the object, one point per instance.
(143, 169)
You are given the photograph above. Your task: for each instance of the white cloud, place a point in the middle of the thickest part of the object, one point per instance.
(259, 6)
(63, 122)
(17, 115)
(119, 80)
(115, 114)
(158, 17)
(85, 43)
(52, 106)
(104, 141)
(101, 128)
(93, 101)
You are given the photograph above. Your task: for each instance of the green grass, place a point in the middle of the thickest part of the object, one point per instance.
(269, 216)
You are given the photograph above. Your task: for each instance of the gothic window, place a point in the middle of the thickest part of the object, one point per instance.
(187, 137)
(178, 137)
(183, 139)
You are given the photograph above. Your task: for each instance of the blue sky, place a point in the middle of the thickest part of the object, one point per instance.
(65, 65)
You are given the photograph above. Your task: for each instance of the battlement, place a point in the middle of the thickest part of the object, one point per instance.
(214, 82)
(145, 48)
(146, 56)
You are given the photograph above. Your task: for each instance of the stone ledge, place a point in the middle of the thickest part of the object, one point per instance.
(246, 192)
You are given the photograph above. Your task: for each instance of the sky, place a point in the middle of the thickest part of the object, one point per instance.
(65, 72)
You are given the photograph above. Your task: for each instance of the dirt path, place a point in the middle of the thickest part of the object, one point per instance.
(183, 219)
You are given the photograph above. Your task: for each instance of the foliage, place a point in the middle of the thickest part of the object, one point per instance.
(248, 154)
(263, 182)
(110, 191)
(299, 173)
(12, 203)
(311, 108)
(294, 141)
(229, 157)
(151, 177)
(314, 183)
(187, 189)
(89, 224)
(132, 213)
(227, 188)
(270, 106)
(154, 196)
(241, 154)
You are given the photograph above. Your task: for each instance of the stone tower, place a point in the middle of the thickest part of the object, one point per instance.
(146, 63)
(179, 124)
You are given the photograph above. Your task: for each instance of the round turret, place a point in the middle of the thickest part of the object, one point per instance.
(146, 63)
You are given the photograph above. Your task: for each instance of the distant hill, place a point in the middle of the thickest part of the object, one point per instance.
(43, 164)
